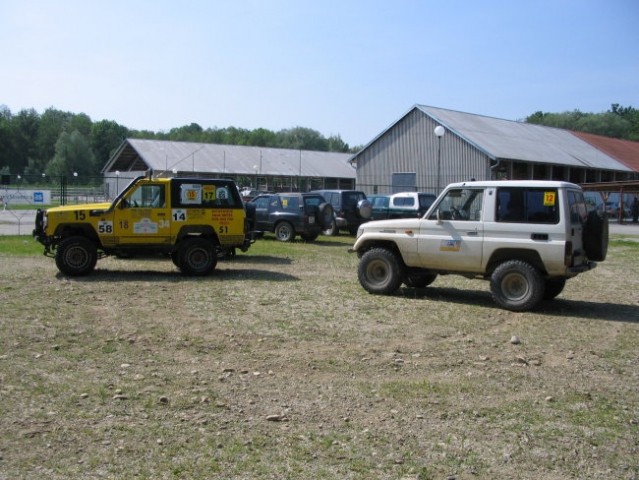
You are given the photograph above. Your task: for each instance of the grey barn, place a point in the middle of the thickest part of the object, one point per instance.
(260, 168)
(430, 147)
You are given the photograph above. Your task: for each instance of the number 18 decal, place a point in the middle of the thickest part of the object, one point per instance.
(179, 214)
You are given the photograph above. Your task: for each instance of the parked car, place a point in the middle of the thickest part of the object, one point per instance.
(527, 238)
(612, 210)
(290, 214)
(401, 205)
(351, 208)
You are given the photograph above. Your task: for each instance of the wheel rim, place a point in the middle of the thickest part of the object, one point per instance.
(377, 272)
(199, 258)
(76, 257)
(515, 286)
(284, 233)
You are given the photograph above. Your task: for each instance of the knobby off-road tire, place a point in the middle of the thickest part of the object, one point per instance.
(197, 256)
(554, 287)
(380, 271)
(76, 256)
(595, 236)
(284, 232)
(517, 286)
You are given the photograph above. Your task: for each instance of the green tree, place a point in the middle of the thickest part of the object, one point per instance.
(52, 123)
(24, 132)
(336, 144)
(301, 138)
(72, 155)
(618, 122)
(106, 137)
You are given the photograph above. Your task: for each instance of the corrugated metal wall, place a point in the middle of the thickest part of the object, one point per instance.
(411, 146)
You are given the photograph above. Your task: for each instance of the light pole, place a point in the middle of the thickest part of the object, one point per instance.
(117, 182)
(439, 132)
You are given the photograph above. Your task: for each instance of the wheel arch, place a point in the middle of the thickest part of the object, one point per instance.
(204, 231)
(387, 244)
(65, 230)
(504, 254)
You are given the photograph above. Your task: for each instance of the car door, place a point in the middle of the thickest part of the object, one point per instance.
(262, 211)
(142, 217)
(452, 236)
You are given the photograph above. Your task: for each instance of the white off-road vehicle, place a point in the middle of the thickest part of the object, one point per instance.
(527, 237)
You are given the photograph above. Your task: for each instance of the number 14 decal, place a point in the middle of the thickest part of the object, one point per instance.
(179, 215)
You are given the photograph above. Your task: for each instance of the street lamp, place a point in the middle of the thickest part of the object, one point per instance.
(439, 132)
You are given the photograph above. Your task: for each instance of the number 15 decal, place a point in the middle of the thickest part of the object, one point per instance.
(179, 215)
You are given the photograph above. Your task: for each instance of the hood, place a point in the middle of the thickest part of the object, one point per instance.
(399, 223)
(81, 206)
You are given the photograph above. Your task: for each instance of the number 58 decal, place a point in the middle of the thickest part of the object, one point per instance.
(105, 226)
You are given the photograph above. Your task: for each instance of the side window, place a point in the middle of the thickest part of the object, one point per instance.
(206, 195)
(460, 204)
(404, 202)
(262, 202)
(147, 196)
(521, 205)
(290, 203)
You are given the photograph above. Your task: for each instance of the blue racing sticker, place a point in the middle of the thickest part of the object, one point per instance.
(450, 246)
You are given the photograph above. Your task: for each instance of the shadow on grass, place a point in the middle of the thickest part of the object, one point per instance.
(263, 259)
(559, 307)
(222, 272)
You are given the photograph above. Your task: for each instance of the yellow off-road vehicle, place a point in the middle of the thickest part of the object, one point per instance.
(190, 220)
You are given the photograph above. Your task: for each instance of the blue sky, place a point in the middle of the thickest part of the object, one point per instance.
(342, 67)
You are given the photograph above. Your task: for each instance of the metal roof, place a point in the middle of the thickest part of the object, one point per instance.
(511, 140)
(626, 151)
(161, 155)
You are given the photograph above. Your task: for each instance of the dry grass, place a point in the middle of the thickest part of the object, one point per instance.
(280, 365)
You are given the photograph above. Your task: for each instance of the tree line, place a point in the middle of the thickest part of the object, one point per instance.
(60, 143)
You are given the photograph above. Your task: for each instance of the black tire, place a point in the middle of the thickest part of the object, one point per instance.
(419, 280)
(309, 237)
(380, 271)
(595, 236)
(554, 287)
(250, 215)
(76, 256)
(284, 232)
(325, 215)
(365, 209)
(332, 231)
(517, 286)
(197, 256)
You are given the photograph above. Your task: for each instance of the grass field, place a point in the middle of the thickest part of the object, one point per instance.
(279, 365)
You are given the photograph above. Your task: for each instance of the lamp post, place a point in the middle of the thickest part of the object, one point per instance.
(439, 132)
(117, 182)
